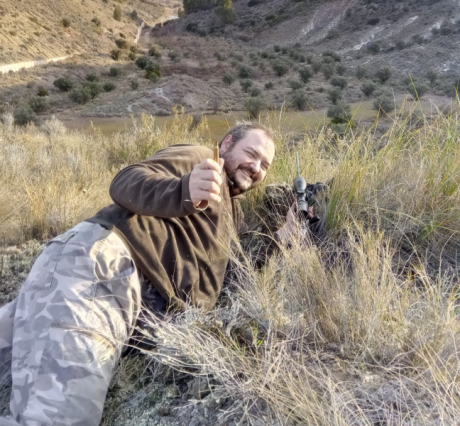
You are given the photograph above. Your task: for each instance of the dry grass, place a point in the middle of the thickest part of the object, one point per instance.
(357, 327)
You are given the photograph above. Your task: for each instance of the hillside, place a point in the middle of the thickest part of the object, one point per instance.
(31, 30)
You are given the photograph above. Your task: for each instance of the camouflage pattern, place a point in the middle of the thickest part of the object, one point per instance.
(72, 318)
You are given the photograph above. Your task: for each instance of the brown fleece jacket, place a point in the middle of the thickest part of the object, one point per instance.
(183, 251)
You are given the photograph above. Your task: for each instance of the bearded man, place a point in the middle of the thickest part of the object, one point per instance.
(164, 242)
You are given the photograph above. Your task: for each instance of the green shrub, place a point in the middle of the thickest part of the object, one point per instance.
(373, 48)
(80, 96)
(64, 84)
(384, 103)
(66, 22)
(246, 84)
(341, 69)
(115, 54)
(400, 45)
(42, 91)
(276, 48)
(228, 79)
(280, 68)
(122, 43)
(134, 84)
(24, 115)
(305, 74)
(335, 94)
(142, 62)
(328, 70)
(368, 88)
(134, 15)
(39, 104)
(339, 82)
(96, 21)
(432, 76)
(295, 84)
(316, 65)
(451, 89)
(92, 77)
(93, 88)
(245, 72)
(417, 90)
(299, 100)
(131, 56)
(152, 71)
(108, 87)
(335, 56)
(383, 74)
(114, 71)
(340, 113)
(361, 72)
(117, 13)
(269, 85)
(174, 56)
(255, 106)
(155, 51)
(255, 91)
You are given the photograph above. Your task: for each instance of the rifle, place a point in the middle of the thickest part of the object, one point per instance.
(306, 196)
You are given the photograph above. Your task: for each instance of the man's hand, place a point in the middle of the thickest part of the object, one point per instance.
(292, 226)
(205, 182)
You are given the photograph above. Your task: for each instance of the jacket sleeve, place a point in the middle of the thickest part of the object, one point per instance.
(159, 186)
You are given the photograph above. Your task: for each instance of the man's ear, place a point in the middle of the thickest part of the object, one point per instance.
(226, 143)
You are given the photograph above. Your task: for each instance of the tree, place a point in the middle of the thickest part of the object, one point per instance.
(328, 70)
(299, 100)
(295, 84)
(335, 94)
(417, 90)
(228, 79)
(245, 72)
(305, 74)
(92, 88)
(226, 11)
(280, 68)
(142, 62)
(383, 74)
(64, 84)
(368, 88)
(361, 72)
(246, 84)
(432, 75)
(152, 71)
(384, 104)
(340, 82)
(117, 13)
(340, 113)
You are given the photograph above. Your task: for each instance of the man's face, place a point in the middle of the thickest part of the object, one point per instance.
(248, 160)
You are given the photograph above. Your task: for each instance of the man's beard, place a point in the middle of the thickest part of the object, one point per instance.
(242, 181)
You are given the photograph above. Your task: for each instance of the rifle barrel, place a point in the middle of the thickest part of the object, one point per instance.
(298, 164)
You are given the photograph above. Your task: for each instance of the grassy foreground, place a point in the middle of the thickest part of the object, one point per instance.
(359, 327)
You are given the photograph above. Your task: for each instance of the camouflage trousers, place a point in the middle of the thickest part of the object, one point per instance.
(67, 328)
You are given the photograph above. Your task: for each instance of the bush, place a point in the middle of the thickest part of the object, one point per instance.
(115, 54)
(155, 51)
(245, 85)
(134, 15)
(373, 48)
(245, 72)
(96, 21)
(384, 103)
(276, 48)
(400, 44)
(142, 62)
(361, 72)
(64, 84)
(417, 90)
(255, 91)
(328, 70)
(122, 43)
(134, 84)
(92, 77)
(280, 68)
(92, 88)
(432, 76)
(339, 82)
(117, 13)
(255, 106)
(299, 100)
(269, 85)
(152, 71)
(114, 71)
(383, 74)
(42, 91)
(24, 115)
(335, 94)
(108, 87)
(316, 65)
(335, 56)
(228, 79)
(80, 96)
(66, 22)
(305, 74)
(295, 84)
(368, 88)
(451, 89)
(174, 56)
(341, 69)
(340, 113)
(38, 104)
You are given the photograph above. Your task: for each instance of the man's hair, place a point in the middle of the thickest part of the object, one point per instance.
(239, 131)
